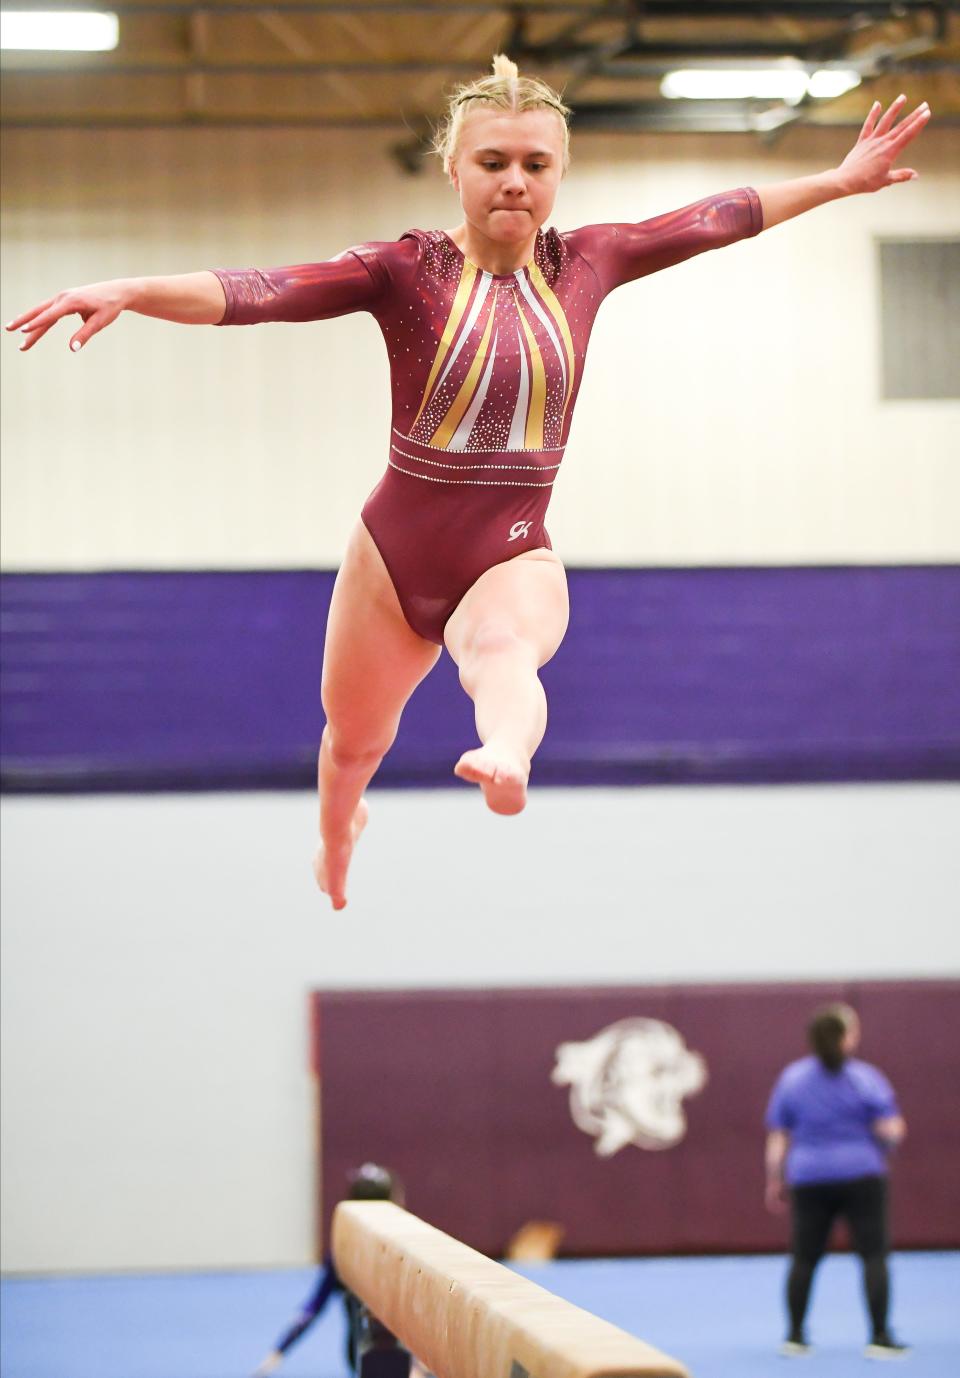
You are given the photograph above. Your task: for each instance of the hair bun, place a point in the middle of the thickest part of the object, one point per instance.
(505, 68)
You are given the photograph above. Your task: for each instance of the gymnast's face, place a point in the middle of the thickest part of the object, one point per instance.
(507, 171)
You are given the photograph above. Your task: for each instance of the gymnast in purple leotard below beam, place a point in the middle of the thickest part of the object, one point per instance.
(486, 328)
(371, 1182)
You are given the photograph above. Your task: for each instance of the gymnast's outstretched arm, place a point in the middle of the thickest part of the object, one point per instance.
(620, 253)
(867, 167)
(327, 1283)
(186, 298)
(354, 281)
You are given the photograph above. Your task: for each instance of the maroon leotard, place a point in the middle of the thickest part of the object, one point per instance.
(485, 371)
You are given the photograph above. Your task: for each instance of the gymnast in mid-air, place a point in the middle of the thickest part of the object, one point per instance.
(486, 327)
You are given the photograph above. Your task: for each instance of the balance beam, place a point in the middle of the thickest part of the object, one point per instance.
(464, 1316)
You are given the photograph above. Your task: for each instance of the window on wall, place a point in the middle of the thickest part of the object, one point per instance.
(920, 318)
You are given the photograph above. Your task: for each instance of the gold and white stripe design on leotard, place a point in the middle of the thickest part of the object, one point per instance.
(448, 426)
(536, 407)
(461, 297)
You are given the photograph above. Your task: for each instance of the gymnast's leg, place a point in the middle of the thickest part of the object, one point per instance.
(372, 662)
(505, 627)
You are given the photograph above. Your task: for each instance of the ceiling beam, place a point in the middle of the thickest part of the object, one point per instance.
(615, 70)
(617, 9)
(712, 122)
(198, 48)
(449, 37)
(278, 26)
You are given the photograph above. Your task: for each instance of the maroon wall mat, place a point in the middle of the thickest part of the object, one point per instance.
(453, 1090)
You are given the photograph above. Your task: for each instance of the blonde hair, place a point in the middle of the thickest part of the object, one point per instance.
(505, 90)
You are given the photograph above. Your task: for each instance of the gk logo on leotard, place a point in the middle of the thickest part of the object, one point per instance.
(518, 530)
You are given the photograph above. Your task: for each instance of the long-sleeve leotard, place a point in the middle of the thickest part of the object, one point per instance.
(304, 292)
(485, 370)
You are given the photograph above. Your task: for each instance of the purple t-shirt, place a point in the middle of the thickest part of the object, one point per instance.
(828, 1116)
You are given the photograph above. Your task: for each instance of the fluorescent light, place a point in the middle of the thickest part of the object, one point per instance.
(755, 83)
(73, 31)
(833, 82)
(788, 84)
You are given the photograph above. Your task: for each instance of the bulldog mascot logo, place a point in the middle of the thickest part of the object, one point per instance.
(627, 1084)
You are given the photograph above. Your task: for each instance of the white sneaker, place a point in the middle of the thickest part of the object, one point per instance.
(885, 1347)
(796, 1349)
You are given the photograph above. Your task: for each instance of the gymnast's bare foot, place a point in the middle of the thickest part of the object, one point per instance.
(332, 861)
(501, 775)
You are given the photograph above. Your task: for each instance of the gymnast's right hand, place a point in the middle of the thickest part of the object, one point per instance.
(185, 298)
(98, 305)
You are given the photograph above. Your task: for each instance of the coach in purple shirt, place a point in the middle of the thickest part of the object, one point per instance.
(832, 1124)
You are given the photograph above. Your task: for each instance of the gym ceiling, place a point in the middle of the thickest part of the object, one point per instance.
(383, 65)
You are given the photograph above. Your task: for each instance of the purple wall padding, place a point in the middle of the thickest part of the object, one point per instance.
(211, 680)
(453, 1090)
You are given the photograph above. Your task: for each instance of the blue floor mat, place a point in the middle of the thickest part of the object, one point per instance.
(722, 1316)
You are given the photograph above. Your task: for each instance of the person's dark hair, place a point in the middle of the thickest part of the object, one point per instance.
(826, 1032)
(371, 1182)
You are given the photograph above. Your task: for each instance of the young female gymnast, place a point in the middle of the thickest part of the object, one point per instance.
(486, 327)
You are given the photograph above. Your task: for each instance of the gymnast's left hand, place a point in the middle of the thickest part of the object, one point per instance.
(869, 164)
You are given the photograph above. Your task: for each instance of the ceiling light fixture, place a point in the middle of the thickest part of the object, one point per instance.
(833, 81)
(789, 84)
(85, 31)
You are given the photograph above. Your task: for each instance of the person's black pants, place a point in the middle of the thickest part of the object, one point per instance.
(862, 1202)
